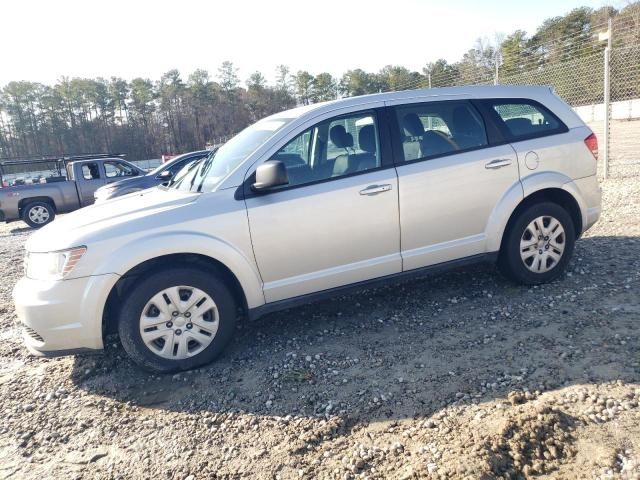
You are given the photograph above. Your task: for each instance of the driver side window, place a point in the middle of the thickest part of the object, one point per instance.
(333, 148)
(117, 169)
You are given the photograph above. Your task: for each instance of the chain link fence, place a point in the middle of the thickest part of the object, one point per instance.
(581, 83)
(624, 111)
(577, 75)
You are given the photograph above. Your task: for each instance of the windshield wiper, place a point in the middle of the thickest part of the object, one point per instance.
(206, 166)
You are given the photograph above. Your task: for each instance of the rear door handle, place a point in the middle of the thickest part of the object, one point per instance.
(375, 189)
(499, 163)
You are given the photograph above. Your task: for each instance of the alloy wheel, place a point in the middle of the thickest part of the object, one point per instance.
(179, 322)
(542, 244)
(39, 215)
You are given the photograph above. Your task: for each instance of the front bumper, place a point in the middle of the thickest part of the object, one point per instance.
(62, 317)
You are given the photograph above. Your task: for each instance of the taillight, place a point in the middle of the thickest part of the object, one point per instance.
(592, 144)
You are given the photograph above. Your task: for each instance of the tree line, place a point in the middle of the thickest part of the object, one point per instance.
(145, 118)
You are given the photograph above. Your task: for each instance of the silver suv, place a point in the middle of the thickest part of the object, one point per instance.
(310, 202)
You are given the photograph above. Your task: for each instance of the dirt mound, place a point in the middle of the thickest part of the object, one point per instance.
(532, 444)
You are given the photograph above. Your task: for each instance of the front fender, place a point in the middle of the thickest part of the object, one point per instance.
(137, 251)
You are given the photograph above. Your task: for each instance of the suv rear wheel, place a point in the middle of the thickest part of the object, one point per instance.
(37, 214)
(177, 319)
(538, 245)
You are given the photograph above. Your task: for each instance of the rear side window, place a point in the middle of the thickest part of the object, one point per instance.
(526, 119)
(90, 171)
(433, 129)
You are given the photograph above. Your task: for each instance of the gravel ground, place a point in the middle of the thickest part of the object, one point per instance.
(463, 375)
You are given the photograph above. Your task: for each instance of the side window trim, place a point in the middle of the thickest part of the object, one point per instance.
(489, 104)
(496, 134)
(385, 136)
(396, 132)
(386, 159)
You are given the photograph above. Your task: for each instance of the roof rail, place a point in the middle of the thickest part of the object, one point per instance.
(57, 158)
(89, 156)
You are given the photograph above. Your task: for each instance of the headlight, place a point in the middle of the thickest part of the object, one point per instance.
(52, 265)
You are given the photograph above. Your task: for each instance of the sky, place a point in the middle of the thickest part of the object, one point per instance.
(43, 40)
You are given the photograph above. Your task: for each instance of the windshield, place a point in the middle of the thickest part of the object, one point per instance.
(205, 175)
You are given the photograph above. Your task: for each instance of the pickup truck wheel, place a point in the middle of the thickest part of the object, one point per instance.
(538, 245)
(38, 214)
(177, 319)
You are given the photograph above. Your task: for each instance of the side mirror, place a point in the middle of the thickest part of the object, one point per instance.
(269, 175)
(165, 175)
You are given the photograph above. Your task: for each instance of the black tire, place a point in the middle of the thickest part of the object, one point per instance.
(510, 261)
(39, 205)
(136, 300)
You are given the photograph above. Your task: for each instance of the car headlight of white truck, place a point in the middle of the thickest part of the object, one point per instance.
(52, 265)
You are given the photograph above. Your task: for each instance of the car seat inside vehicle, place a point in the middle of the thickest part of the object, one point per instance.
(341, 139)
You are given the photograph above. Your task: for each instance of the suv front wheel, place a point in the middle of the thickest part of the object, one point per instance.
(177, 319)
(538, 245)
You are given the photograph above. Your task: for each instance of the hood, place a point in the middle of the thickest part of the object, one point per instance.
(139, 181)
(112, 218)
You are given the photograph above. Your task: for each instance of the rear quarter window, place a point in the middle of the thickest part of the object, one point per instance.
(523, 119)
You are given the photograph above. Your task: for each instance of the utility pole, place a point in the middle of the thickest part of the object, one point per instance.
(607, 91)
(607, 87)
(497, 57)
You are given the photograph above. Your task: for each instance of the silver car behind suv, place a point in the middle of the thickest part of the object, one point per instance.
(310, 202)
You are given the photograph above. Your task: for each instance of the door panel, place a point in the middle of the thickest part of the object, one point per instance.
(326, 235)
(446, 202)
(89, 177)
(450, 180)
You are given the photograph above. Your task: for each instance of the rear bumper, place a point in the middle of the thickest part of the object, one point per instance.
(593, 215)
(62, 317)
(588, 194)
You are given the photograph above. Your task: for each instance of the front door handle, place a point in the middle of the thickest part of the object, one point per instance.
(499, 163)
(375, 189)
